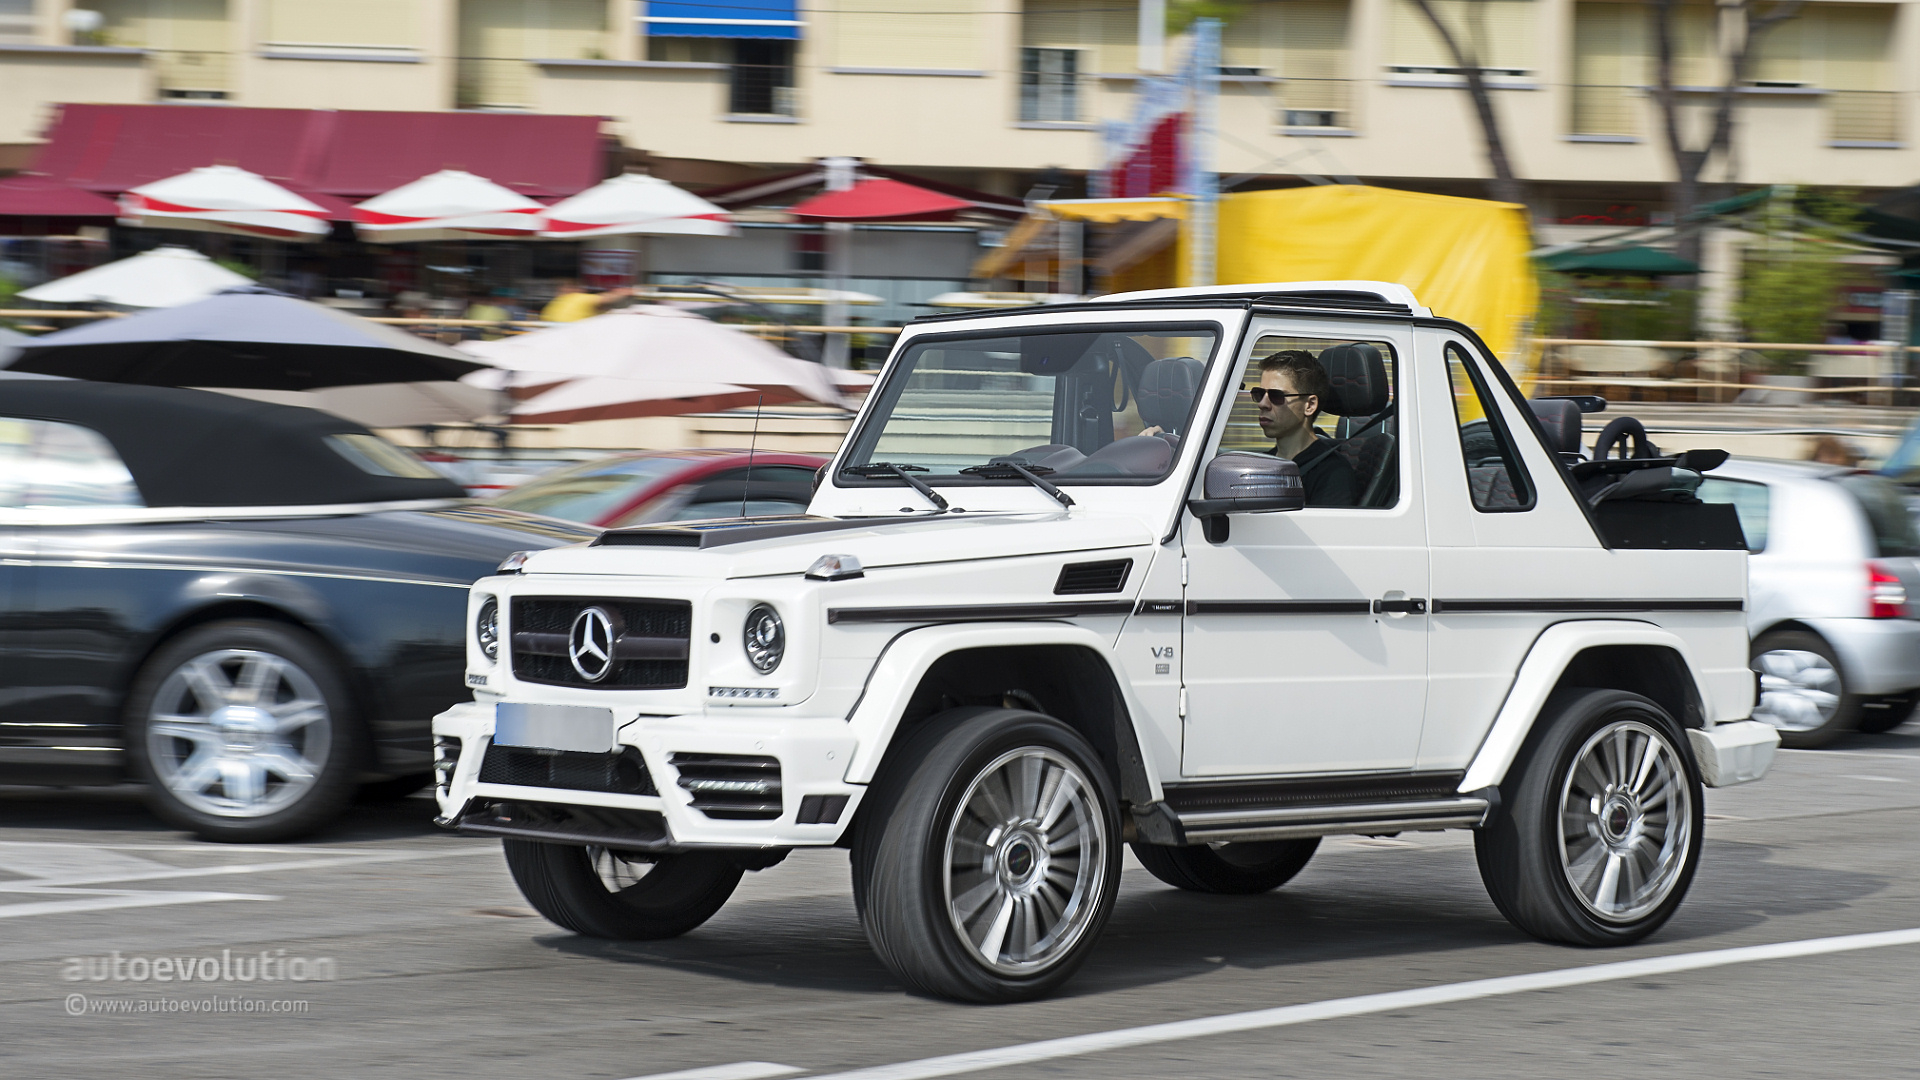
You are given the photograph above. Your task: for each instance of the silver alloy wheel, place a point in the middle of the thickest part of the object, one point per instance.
(1626, 821)
(1799, 690)
(1026, 852)
(615, 871)
(238, 733)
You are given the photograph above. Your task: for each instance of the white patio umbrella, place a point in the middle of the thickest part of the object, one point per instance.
(651, 344)
(604, 398)
(388, 405)
(163, 277)
(447, 205)
(224, 199)
(633, 203)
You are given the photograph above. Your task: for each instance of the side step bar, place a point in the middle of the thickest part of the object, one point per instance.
(1160, 823)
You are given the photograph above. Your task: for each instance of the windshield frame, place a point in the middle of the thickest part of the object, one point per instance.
(885, 395)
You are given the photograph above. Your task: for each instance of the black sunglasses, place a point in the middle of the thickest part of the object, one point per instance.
(1260, 393)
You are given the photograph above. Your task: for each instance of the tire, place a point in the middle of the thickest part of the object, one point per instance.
(1886, 712)
(599, 893)
(982, 815)
(243, 731)
(1562, 883)
(1803, 689)
(1243, 869)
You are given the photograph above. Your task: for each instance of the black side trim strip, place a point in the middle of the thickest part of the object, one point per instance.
(1279, 607)
(1312, 791)
(1160, 607)
(978, 612)
(1481, 607)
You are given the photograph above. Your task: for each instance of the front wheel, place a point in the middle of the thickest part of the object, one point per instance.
(1244, 868)
(605, 893)
(1598, 832)
(987, 860)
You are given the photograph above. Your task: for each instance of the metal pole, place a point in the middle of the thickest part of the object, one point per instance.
(1200, 182)
(840, 177)
(1153, 36)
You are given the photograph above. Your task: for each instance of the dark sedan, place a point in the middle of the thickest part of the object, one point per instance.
(254, 608)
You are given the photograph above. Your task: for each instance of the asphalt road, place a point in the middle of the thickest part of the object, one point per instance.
(438, 969)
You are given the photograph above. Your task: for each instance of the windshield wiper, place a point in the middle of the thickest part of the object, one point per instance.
(904, 472)
(1008, 469)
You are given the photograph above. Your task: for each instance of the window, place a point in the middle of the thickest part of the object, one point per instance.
(1105, 34)
(498, 37)
(1303, 43)
(191, 41)
(763, 491)
(1495, 477)
(1887, 513)
(44, 463)
(810, 252)
(762, 78)
(1106, 405)
(376, 456)
(1497, 34)
(1749, 500)
(17, 23)
(1367, 442)
(1050, 84)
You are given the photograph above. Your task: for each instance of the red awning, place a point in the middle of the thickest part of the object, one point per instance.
(27, 195)
(881, 200)
(322, 152)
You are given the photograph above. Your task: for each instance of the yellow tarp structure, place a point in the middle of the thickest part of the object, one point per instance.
(1464, 258)
(1108, 211)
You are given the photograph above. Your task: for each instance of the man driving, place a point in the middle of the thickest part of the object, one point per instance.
(1292, 386)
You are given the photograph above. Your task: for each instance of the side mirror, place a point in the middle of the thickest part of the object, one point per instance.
(1240, 481)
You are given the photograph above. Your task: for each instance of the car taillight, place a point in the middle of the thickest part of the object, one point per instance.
(1886, 597)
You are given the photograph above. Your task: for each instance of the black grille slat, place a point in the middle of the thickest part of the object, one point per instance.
(650, 652)
(1093, 577)
(740, 787)
(622, 773)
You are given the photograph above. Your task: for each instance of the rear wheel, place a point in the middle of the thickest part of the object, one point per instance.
(988, 859)
(1598, 832)
(605, 893)
(243, 731)
(1802, 689)
(1244, 868)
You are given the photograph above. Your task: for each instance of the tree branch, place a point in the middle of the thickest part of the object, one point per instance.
(1505, 186)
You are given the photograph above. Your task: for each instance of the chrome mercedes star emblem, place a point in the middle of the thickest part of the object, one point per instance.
(590, 644)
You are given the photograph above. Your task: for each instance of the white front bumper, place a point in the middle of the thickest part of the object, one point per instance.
(1736, 753)
(813, 753)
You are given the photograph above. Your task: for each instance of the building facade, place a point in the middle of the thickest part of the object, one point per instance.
(995, 93)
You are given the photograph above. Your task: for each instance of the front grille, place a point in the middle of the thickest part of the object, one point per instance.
(736, 787)
(1092, 577)
(649, 647)
(623, 773)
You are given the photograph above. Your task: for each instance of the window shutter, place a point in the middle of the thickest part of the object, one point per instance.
(933, 35)
(1102, 31)
(390, 23)
(1609, 66)
(1857, 42)
(1499, 33)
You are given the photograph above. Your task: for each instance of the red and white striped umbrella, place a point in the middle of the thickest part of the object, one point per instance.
(224, 199)
(447, 205)
(633, 203)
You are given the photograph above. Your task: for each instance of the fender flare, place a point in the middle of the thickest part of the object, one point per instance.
(1540, 672)
(909, 657)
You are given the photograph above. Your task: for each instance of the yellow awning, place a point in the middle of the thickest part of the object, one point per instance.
(1108, 211)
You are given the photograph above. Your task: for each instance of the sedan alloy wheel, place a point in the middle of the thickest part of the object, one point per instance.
(238, 733)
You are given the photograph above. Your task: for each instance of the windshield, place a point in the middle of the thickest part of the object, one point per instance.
(590, 491)
(1082, 406)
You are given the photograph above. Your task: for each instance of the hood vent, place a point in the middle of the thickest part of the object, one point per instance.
(1092, 577)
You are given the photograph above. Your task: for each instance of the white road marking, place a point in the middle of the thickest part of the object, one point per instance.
(739, 1070)
(1288, 1015)
(1879, 779)
(105, 900)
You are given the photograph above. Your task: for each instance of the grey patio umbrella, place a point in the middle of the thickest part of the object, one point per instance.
(248, 338)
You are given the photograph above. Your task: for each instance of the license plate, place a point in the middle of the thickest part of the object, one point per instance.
(553, 727)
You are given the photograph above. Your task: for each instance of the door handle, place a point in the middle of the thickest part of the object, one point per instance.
(1413, 605)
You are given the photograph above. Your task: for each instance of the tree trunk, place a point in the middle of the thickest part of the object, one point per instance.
(1505, 186)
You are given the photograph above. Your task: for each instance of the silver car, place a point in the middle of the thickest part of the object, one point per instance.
(1835, 559)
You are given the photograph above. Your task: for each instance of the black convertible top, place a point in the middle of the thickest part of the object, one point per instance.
(199, 448)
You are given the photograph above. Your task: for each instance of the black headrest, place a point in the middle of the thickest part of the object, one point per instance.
(1358, 378)
(1166, 392)
(1560, 419)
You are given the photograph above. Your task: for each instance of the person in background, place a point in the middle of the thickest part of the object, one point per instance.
(1828, 450)
(572, 303)
(487, 309)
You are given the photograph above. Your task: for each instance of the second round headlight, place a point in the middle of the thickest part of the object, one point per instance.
(765, 638)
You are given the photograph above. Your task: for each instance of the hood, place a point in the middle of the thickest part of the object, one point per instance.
(767, 547)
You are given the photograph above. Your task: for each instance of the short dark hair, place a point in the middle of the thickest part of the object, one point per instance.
(1305, 371)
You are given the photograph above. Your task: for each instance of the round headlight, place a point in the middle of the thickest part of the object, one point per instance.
(765, 638)
(486, 629)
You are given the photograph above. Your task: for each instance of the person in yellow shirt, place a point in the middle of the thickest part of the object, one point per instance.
(572, 303)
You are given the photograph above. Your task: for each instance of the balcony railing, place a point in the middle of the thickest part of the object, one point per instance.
(192, 74)
(487, 83)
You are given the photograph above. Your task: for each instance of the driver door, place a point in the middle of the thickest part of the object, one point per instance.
(1293, 663)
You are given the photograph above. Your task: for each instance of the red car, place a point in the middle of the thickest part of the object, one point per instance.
(670, 485)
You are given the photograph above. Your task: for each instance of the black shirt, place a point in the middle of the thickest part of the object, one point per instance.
(1328, 478)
